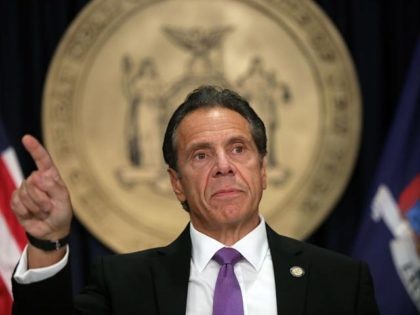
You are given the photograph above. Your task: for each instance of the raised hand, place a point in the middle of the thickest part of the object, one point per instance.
(42, 202)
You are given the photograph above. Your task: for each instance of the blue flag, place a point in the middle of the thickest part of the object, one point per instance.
(389, 237)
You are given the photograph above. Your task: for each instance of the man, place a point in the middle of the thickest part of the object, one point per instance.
(215, 147)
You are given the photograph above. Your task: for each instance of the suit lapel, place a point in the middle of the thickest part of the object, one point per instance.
(290, 290)
(171, 272)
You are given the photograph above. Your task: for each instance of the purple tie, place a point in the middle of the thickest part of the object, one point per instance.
(227, 298)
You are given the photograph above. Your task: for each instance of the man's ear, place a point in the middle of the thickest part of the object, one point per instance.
(264, 172)
(176, 184)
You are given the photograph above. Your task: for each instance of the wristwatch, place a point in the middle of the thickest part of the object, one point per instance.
(47, 245)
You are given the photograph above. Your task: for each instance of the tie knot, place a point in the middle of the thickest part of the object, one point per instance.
(227, 255)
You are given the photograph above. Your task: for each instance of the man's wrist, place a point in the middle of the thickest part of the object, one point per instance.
(39, 258)
(48, 245)
(51, 263)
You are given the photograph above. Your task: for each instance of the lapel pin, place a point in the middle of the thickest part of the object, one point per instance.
(297, 271)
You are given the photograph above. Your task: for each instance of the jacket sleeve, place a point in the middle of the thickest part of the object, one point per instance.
(54, 295)
(48, 297)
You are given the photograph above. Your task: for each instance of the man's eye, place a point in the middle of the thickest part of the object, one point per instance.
(200, 156)
(238, 149)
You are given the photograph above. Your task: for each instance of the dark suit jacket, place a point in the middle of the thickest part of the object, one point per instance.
(155, 281)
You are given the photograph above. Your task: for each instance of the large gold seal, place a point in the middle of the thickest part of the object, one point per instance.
(124, 65)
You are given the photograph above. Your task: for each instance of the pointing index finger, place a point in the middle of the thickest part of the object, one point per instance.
(39, 154)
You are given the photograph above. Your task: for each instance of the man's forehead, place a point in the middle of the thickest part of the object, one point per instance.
(216, 111)
(213, 119)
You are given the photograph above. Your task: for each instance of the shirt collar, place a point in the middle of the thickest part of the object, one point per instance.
(253, 246)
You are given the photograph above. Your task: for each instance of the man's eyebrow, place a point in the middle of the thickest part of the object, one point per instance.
(238, 139)
(208, 145)
(198, 146)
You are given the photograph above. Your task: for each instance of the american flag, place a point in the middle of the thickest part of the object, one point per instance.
(12, 236)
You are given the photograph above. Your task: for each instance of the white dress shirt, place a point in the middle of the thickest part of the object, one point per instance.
(23, 275)
(255, 272)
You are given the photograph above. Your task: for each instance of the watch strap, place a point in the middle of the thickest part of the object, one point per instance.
(47, 245)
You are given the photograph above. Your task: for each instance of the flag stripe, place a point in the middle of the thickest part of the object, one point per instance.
(5, 300)
(410, 195)
(10, 253)
(7, 186)
(12, 235)
(11, 162)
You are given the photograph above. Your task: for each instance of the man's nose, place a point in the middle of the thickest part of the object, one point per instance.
(223, 166)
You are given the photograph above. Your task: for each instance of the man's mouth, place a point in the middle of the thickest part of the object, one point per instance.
(226, 193)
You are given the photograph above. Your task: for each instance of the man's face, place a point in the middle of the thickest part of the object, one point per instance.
(220, 172)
